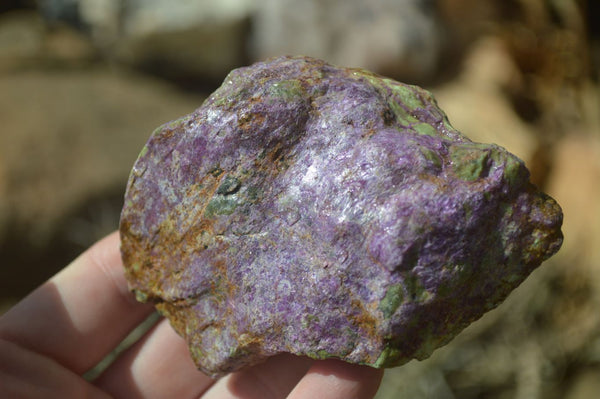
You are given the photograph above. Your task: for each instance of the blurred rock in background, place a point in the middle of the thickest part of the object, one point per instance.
(72, 126)
(194, 43)
(68, 141)
(84, 82)
(402, 39)
(198, 41)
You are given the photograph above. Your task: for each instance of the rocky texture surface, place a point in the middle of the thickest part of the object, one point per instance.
(326, 212)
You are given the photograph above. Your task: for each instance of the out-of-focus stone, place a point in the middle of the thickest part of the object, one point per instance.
(67, 47)
(575, 182)
(67, 137)
(27, 43)
(21, 39)
(185, 41)
(326, 212)
(218, 47)
(200, 40)
(479, 108)
(585, 385)
(401, 39)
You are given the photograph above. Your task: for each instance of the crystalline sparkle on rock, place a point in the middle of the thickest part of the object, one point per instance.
(326, 212)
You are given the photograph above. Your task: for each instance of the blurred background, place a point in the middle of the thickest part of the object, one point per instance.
(84, 82)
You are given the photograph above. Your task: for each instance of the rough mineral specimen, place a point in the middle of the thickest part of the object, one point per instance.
(326, 212)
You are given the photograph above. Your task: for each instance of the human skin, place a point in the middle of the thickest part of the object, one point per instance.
(67, 325)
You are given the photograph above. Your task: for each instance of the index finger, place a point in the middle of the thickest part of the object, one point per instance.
(81, 313)
(336, 379)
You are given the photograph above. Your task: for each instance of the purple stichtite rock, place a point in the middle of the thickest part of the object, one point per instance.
(326, 212)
